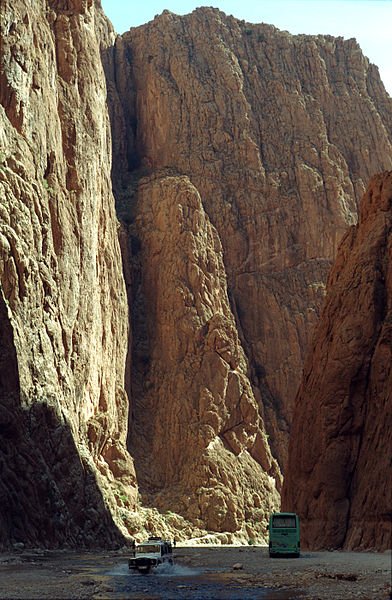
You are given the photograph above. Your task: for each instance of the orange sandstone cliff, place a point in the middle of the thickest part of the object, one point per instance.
(239, 156)
(341, 440)
(63, 305)
(196, 433)
(275, 135)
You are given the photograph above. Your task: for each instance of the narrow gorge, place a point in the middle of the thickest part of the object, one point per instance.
(172, 201)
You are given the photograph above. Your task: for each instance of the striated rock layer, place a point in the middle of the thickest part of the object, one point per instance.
(64, 466)
(277, 134)
(340, 450)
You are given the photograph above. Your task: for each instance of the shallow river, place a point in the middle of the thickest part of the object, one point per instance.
(177, 582)
(199, 573)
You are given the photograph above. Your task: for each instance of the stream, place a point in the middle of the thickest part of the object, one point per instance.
(177, 582)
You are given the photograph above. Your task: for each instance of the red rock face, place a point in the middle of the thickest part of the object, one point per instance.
(276, 134)
(239, 155)
(196, 433)
(339, 457)
(266, 127)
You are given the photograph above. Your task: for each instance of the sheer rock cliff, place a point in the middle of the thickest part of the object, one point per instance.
(196, 434)
(340, 449)
(63, 307)
(164, 372)
(279, 135)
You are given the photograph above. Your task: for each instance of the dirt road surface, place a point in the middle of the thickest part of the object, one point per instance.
(199, 573)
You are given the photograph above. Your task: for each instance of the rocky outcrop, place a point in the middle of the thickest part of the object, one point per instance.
(339, 460)
(64, 466)
(196, 435)
(277, 133)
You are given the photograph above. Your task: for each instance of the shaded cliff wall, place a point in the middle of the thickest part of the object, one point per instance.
(277, 133)
(340, 449)
(63, 408)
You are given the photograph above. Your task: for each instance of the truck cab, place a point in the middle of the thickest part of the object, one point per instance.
(151, 553)
(284, 535)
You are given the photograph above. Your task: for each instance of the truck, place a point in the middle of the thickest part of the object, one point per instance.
(284, 535)
(150, 554)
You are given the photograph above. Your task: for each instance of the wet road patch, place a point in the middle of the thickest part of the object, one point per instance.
(178, 582)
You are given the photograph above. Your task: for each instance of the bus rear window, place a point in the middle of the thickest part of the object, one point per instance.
(280, 522)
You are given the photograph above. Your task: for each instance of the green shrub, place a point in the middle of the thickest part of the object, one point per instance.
(47, 187)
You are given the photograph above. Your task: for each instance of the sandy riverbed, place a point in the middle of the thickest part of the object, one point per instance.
(200, 573)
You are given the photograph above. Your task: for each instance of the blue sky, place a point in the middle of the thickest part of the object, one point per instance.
(369, 21)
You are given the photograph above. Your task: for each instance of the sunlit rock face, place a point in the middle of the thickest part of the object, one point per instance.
(240, 153)
(197, 437)
(342, 431)
(63, 306)
(277, 134)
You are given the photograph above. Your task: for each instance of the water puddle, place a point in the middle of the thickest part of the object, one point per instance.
(176, 570)
(105, 577)
(178, 582)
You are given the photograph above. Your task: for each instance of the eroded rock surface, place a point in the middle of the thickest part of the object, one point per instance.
(240, 153)
(276, 132)
(64, 319)
(196, 434)
(340, 450)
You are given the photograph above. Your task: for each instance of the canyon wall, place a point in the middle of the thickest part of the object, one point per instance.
(64, 466)
(239, 155)
(278, 135)
(340, 449)
(196, 433)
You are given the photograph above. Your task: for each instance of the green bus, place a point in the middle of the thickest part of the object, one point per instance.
(283, 531)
